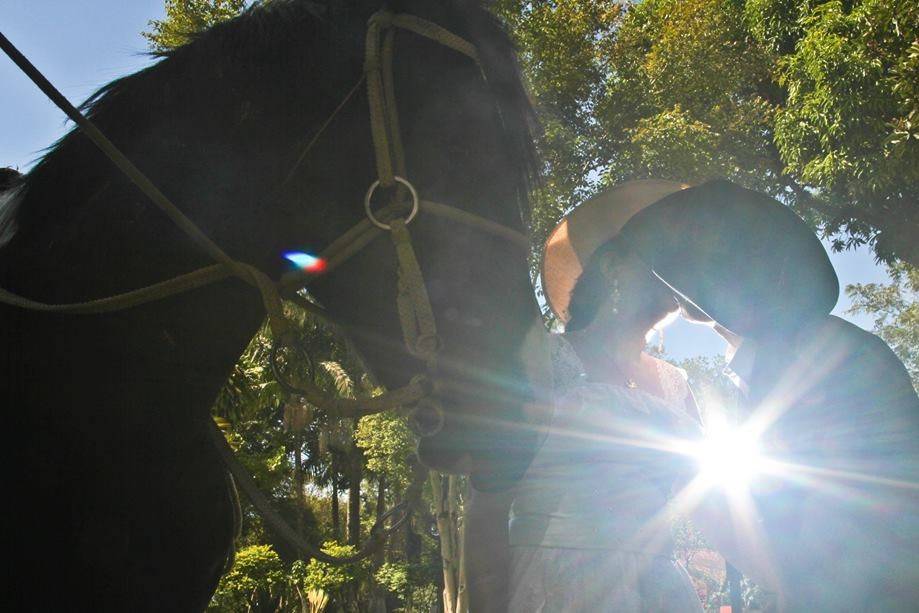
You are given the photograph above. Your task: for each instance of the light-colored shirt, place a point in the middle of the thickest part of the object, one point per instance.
(598, 476)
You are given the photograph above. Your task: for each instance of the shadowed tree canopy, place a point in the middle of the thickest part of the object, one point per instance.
(812, 102)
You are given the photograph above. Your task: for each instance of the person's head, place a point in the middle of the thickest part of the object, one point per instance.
(617, 294)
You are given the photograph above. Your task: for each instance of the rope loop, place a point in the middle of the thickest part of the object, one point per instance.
(289, 340)
(427, 344)
(419, 387)
(379, 530)
(383, 18)
(427, 419)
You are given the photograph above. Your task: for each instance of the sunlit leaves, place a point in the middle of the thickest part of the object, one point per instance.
(184, 18)
(388, 445)
(253, 583)
(813, 101)
(847, 123)
(332, 578)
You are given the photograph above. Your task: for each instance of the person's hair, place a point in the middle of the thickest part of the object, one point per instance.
(593, 287)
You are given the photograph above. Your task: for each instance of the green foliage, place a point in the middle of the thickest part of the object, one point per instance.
(424, 598)
(388, 445)
(895, 308)
(814, 102)
(565, 49)
(185, 18)
(666, 88)
(673, 143)
(395, 578)
(253, 583)
(774, 23)
(410, 584)
(846, 126)
(261, 581)
(340, 581)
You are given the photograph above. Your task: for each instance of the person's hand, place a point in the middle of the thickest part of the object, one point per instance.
(692, 313)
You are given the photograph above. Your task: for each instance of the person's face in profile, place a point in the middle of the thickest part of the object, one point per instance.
(639, 300)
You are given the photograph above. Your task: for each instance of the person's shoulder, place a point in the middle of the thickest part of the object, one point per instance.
(848, 346)
(854, 374)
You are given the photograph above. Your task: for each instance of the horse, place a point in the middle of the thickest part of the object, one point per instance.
(116, 495)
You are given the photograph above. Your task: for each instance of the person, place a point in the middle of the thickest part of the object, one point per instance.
(835, 525)
(839, 529)
(588, 528)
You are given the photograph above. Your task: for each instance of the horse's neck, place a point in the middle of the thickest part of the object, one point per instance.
(166, 358)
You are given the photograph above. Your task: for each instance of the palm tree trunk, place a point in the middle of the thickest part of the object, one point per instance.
(462, 597)
(354, 504)
(336, 513)
(381, 497)
(298, 480)
(446, 526)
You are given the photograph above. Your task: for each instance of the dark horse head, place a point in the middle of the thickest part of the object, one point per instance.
(115, 492)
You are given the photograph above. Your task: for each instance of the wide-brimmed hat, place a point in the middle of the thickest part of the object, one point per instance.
(586, 228)
(745, 259)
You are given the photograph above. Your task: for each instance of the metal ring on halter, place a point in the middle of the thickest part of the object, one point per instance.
(380, 529)
(427, 419)
(374, 186)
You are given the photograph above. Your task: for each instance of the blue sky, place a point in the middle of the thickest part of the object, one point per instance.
(83, 45)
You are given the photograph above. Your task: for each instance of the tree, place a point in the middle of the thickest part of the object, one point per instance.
(895, 308)
(812, 102)
(185, 18)
(255, 582)
(848, 125)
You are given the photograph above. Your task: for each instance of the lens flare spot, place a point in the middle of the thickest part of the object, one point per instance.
(305, 261)
(729, 458)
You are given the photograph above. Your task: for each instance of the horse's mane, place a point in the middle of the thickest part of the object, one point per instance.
(286, 30)
(10, 180)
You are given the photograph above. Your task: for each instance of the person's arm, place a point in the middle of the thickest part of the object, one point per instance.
(487, 550)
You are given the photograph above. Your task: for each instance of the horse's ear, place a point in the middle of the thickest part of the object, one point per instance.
(9, 178)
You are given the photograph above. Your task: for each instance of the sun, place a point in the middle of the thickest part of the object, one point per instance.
(729, 458)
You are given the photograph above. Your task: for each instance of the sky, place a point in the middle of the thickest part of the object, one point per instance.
(80, 46)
